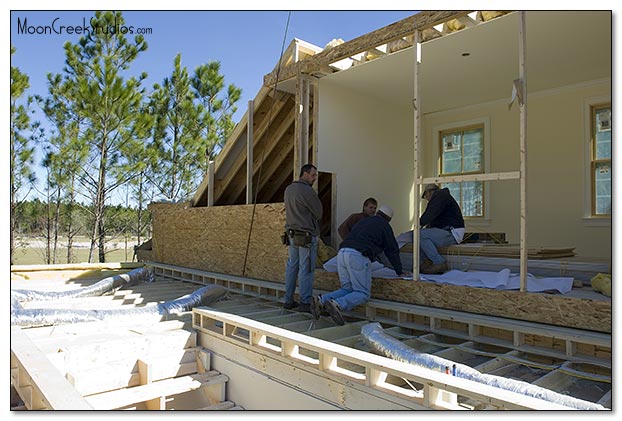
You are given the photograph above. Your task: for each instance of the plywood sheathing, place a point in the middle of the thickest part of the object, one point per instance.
(536, 307)
(215, 238)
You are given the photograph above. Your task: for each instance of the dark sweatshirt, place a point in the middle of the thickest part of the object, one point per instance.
(371, 236)
(442, 211)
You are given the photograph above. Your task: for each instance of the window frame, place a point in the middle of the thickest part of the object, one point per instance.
(594, 108)
(589, 219)
(461, 128)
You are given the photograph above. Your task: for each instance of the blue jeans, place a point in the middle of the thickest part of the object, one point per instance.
(301, 265)
(432, 238)
(355, 276)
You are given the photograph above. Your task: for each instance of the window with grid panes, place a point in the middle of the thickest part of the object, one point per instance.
(601, 160)
(462, 152)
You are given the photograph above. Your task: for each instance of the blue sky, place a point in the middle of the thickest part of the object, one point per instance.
(246, 43)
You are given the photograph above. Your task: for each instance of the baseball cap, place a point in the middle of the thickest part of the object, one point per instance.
(429, 187)
(386, 210)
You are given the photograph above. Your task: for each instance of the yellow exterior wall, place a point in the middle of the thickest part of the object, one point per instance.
(369, 146)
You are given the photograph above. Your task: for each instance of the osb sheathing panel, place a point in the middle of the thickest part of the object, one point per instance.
(542, 308)
(215, 238)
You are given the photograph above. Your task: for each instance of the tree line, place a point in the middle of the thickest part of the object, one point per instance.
(37, 219)
(109, 135)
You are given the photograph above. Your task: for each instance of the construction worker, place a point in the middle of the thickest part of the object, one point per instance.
(369, 209)
(442, 225)
(303, 212)
(370, 237)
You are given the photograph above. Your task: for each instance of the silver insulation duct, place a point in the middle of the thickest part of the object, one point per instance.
(394, 349)
(102, 287)
(47, 317)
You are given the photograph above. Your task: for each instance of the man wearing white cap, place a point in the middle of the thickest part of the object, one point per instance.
(368, 238)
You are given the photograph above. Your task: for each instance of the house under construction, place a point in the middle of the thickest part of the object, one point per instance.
(511, 110)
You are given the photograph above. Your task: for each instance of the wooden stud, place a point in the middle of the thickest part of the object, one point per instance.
(522, 53)
(416, 169)
(249, 153)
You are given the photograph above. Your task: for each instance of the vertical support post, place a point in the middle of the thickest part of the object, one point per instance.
(522, 46)
(297, 140)
(316, 122)
(249, 153)
(210, 183)
(333, 212)
(301, 125)
(416, 177)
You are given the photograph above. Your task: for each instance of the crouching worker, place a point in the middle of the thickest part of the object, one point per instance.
(368, 238)
(442, 225)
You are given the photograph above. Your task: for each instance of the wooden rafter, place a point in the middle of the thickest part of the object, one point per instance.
(397, 30)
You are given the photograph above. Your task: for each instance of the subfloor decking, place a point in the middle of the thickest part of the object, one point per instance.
(569, 361)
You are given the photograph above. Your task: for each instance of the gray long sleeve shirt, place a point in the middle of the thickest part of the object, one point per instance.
(303, 208)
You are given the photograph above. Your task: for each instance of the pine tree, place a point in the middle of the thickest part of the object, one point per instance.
(108, 106)
(24, 135)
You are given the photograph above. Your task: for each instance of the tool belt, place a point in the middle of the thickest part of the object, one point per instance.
(297, 238)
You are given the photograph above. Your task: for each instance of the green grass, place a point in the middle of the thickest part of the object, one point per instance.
(36, 256)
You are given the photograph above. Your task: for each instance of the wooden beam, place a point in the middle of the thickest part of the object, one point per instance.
(124, 397)
(249, 154)
(400, 29)
(238, 130)
(266, 165)
(236, 167)
(37, 380)
(77, 266)
(210, 183)
(416, 157)
(522, 57)
(509, 175)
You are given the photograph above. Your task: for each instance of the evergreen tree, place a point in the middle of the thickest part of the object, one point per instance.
(108, 106)
(24, 135)
(216, 111)
(175, 134)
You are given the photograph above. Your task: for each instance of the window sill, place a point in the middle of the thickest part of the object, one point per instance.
(596, 222)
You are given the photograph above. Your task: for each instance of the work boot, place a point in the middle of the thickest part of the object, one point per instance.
(316, 306)
(304, 308)
(425, 265)
(335, 312)
(290, 305)
(435, 269)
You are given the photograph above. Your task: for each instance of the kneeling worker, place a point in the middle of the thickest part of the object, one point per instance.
(442, 225)
(368, 238)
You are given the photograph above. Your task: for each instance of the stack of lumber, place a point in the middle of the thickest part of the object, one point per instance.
(508, 250)
(501, 250)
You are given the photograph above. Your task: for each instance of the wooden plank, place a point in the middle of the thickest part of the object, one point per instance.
(270, 143)
(522, 95)
(124, 397)
(509, 175)
(76, 266)
(222, 157)
(416, 156)
(34, 375)
(400, 29)
(249, 154)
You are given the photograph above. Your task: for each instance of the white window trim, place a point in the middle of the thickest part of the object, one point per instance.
(588, 218)
(485, 121)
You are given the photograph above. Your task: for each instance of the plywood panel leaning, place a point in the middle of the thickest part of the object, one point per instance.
(215, 238)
